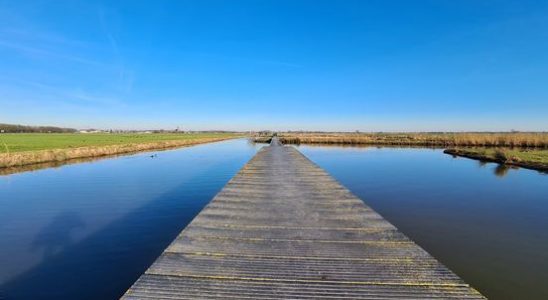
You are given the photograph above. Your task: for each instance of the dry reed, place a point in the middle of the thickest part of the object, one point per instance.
(57, 155)
(529, 139)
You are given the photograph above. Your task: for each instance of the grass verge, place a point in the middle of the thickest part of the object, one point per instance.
(25, 149)
(526, 158)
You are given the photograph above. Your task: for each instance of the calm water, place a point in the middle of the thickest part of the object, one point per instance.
(87, 231)
(486, 223)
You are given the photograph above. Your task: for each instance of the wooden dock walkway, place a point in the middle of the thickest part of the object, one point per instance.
(283, 228)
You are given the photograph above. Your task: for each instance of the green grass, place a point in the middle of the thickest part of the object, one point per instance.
(523, 155)
(536, 159)
(18, 142)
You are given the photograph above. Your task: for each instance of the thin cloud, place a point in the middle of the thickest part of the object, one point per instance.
(126, 77)
(24, 37)
(47, 53)
(78, 94)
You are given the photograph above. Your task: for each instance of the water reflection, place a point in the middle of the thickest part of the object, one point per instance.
(57, 164)
(501, 170)
(57, 235)
(88, 231)
(53, 164)
(491, 232)
(109, 260)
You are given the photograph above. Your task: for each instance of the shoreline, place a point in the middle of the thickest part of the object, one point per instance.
(502, 161)
(537, 140)
(29, 158)
(525, 150)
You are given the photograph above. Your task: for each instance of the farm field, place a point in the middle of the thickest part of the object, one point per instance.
(17, 142)
(35, 148)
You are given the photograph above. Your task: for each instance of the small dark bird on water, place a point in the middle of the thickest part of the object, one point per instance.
(153, 155)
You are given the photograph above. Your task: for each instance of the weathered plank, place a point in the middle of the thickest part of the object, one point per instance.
(284, 228)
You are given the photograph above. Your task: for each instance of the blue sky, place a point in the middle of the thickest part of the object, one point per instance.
(240, 65)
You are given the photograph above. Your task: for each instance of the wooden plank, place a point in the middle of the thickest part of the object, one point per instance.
(284, 228)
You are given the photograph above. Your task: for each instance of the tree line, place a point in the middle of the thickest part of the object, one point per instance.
(11, 128)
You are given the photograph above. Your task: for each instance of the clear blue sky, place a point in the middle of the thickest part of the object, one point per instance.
(313, 65)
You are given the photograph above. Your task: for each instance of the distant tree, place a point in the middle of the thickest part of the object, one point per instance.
(11, 128)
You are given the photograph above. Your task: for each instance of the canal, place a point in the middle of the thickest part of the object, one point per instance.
(89, 230)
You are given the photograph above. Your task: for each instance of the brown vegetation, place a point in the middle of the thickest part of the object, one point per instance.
(524, 149)
(519, 139)
(58, 155)
(525, 158)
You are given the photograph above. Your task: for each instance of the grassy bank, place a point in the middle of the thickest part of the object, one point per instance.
(527, 158)
(524, 149)
(521, 139)
(26, 149)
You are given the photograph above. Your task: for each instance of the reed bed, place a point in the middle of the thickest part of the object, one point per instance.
(16, 159)
(521, 139)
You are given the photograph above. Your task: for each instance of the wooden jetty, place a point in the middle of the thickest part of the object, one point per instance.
(283, 228)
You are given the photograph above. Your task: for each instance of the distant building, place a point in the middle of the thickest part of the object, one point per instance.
(90, 131)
